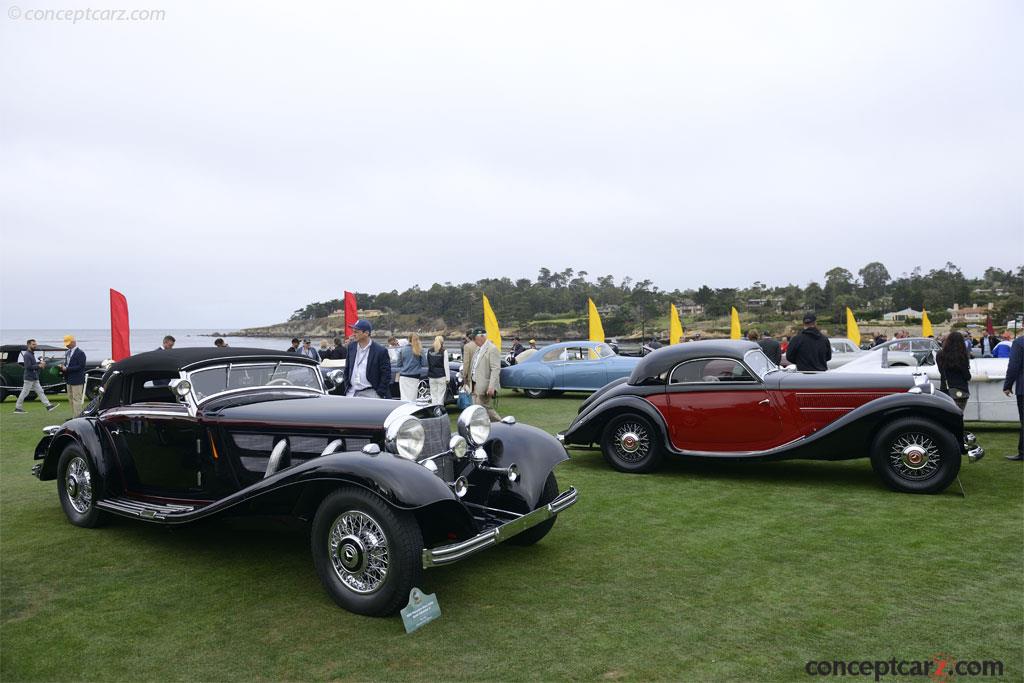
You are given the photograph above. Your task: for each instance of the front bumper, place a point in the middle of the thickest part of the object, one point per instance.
(446, 554)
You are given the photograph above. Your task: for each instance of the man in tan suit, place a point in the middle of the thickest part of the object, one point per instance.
(484, 372)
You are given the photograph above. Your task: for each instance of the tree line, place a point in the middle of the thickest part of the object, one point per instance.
(555, 295)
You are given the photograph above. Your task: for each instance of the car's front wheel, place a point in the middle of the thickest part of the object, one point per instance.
(77, 485)
(630, 443)
(368, 555)
(535, 393)
(915, 455)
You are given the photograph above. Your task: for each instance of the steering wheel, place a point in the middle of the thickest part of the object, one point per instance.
(280, 382)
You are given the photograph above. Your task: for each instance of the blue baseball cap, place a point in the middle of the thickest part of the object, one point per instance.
(363, 326)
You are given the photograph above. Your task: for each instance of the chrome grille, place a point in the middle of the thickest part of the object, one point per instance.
(437, 431)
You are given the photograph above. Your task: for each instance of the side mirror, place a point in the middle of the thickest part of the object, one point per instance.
(180, 388)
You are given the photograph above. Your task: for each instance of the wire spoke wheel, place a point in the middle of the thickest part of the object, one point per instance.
(914, 456)
(632, 442)
(359, 551)
(78, 484)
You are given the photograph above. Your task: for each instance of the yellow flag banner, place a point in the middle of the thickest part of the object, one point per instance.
(491, 324)
(675, 326)
(926, 325)
(734, 325)
(852, 331)
(596, 329)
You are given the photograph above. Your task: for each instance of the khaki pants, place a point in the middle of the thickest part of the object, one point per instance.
(76, 392)
(488, 403)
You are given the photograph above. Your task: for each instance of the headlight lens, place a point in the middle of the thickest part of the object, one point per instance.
(458, 446)
(475, 425)
(405, 438)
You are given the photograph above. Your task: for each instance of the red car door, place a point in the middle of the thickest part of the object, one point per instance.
(718, 405)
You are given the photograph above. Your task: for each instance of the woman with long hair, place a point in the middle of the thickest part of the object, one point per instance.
(411, 363)
(954, 369)
(437, 371)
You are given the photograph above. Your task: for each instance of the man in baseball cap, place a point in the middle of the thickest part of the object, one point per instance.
(367, 366)
(484, 371)
(810, 350)
(73, 368)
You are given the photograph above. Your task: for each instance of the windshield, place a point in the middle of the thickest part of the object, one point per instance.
(759, 363)
(210, 381)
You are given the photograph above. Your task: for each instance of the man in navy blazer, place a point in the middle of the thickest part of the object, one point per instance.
(368, 366)
(73, 368)
(1015, 382)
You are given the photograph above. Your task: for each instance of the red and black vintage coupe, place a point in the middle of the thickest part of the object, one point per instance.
(726, 400)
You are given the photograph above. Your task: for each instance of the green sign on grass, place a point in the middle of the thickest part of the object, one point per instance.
(422, 609)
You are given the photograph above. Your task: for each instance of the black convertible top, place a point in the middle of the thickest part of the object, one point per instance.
(176, 359)
(667, 357)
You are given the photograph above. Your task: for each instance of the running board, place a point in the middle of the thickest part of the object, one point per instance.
(131, 507)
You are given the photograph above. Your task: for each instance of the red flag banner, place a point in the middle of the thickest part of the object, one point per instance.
(989, 330)
(351, 313)
(120, 334)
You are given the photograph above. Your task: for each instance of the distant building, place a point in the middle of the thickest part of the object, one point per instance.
(969, 314)
(899, 316)
(765, 302)
(690, 307)
(608, 309)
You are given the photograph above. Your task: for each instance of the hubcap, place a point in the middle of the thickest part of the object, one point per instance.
(358, 550)
(914, 456)
(632, 443)
(78, 484)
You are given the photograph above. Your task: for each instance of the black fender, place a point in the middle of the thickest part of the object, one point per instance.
(534, 452)
(88, 434)
(587, 427)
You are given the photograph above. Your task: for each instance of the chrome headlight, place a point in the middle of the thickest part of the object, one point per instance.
(475, 425)
(458, 446)
(405, 437)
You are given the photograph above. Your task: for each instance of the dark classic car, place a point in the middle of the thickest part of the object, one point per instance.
(12, 373)
(725, 399)
(178, 436)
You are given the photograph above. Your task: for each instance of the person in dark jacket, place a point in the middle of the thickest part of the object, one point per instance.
(338, 352)
(73, 368)
(31, 381)
(294, 348)
(1014, 384)
(954, 369)
(368, 366)
(810, 349)
(770, 347)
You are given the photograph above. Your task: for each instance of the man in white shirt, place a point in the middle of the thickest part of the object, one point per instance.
(368, 367)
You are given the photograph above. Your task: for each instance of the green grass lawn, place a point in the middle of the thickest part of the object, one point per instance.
(739, 572)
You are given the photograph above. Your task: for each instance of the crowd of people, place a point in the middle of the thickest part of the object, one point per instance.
(369, 372)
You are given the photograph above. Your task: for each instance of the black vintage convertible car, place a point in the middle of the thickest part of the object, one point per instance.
(726, 400)
(177, 436)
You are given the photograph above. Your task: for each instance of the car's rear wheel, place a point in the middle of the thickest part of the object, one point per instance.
(535, 393)
(534, 534)
(915, 455)
(77, 485)
(630, 443)
(368, 555)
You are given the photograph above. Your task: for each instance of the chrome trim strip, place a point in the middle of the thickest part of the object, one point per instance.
(128, 411)
(447, 554)
(976, 454)
(729, 454)
(137, 508)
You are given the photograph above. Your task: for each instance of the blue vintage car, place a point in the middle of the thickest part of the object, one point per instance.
(567, 366)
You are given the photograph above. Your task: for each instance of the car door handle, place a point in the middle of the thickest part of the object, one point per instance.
(764, 402)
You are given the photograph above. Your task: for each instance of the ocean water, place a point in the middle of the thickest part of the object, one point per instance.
(96, 343)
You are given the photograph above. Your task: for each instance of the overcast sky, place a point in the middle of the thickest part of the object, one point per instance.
(233, 162)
